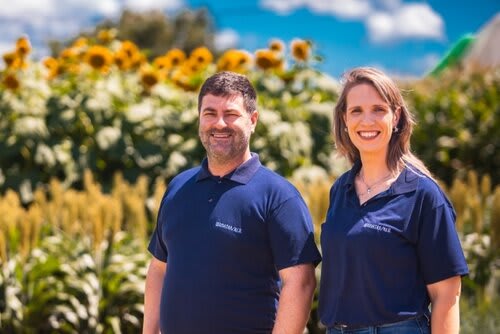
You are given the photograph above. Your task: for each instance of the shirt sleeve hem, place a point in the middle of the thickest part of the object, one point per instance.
(460, 272)
(314, 262)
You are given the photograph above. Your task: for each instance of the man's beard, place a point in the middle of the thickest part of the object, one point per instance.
(234, 150)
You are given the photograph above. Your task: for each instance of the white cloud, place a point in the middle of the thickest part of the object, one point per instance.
(386, 20)
(52, 8)
(407, 21)
(45, 20)
(282, 7)
(225, 39)
(345, 9)
(142, 5)
(20, 8)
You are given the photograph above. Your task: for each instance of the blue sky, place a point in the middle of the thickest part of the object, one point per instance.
(405, 38)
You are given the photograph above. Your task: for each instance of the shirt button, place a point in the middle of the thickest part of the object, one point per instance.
(220, 181)
(210, 200)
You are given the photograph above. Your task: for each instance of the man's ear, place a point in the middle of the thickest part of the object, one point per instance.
(254, 117)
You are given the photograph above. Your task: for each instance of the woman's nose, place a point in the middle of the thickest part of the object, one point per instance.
(367, 118)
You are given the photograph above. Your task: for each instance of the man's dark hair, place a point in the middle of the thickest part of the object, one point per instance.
(229, 83)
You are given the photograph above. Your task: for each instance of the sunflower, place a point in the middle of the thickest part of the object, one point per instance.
(14, 61)
(180, 78)
(52, 66)
(106, 35)
(267, 59)
(192, 66)
(129, 48)
(10, 59)
(170, 60)
(69, 55)
(301, 49)
(130, 56)
(122, 60)
(11, 82)
(99, 57)
(50, 63)
(176, 56)
(201, 56)
(138, 60)
(23, 46)
(80, 42)
(150, 77)
(161, 63)
(277, 45)
(234, 60)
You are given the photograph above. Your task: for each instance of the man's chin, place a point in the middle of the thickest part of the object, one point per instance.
(220, 156)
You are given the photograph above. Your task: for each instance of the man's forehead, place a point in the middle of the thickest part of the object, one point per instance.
(230, 99)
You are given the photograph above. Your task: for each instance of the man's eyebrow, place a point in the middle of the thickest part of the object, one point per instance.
(208, 109)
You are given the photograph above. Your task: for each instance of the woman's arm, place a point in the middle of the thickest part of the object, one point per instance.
(445, 295)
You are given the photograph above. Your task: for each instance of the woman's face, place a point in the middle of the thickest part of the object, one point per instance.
(369, 120)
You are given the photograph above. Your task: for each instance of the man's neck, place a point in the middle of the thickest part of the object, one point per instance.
(219, 168)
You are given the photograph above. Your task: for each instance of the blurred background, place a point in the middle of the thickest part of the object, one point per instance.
(98, 112)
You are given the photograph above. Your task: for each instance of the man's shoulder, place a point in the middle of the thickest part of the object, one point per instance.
(268, 180)
(272, 177)
(185, 176)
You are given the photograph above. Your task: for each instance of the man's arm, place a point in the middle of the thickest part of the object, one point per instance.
(298, 284)
(152, 296)
(445, 294)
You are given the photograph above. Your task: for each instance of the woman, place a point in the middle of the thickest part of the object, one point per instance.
(389, 242)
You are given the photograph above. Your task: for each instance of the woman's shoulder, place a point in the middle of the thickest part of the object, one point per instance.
(428, 188)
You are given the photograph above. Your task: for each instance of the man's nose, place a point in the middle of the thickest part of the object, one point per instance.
(220, 122)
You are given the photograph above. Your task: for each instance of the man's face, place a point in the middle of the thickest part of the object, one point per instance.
(225, 128)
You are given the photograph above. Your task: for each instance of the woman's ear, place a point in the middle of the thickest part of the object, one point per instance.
(397, 114)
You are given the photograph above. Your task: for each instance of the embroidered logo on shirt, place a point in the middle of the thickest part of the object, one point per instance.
(228, 227)
(378, 227)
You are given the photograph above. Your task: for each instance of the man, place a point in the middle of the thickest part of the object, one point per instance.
(233, 248)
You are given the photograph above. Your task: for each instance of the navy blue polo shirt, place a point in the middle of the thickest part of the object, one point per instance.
(378, 257)
(224, 240)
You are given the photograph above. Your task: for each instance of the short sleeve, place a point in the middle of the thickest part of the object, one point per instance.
(291, 235)
(156, 245)
(439, 250)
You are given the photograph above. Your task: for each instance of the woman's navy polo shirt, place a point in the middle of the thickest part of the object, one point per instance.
(378, 257)
(224, 240)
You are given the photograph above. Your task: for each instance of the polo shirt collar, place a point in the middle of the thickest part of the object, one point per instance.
(242, 174)
(406, 182)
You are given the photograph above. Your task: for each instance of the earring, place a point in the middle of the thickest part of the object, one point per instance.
(395, 129)
(345, 129)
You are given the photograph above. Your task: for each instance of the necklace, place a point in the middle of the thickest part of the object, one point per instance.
(369, 188)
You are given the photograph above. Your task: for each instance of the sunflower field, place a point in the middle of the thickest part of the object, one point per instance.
(90, 137)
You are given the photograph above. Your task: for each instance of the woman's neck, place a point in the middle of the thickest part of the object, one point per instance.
(374, 168)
